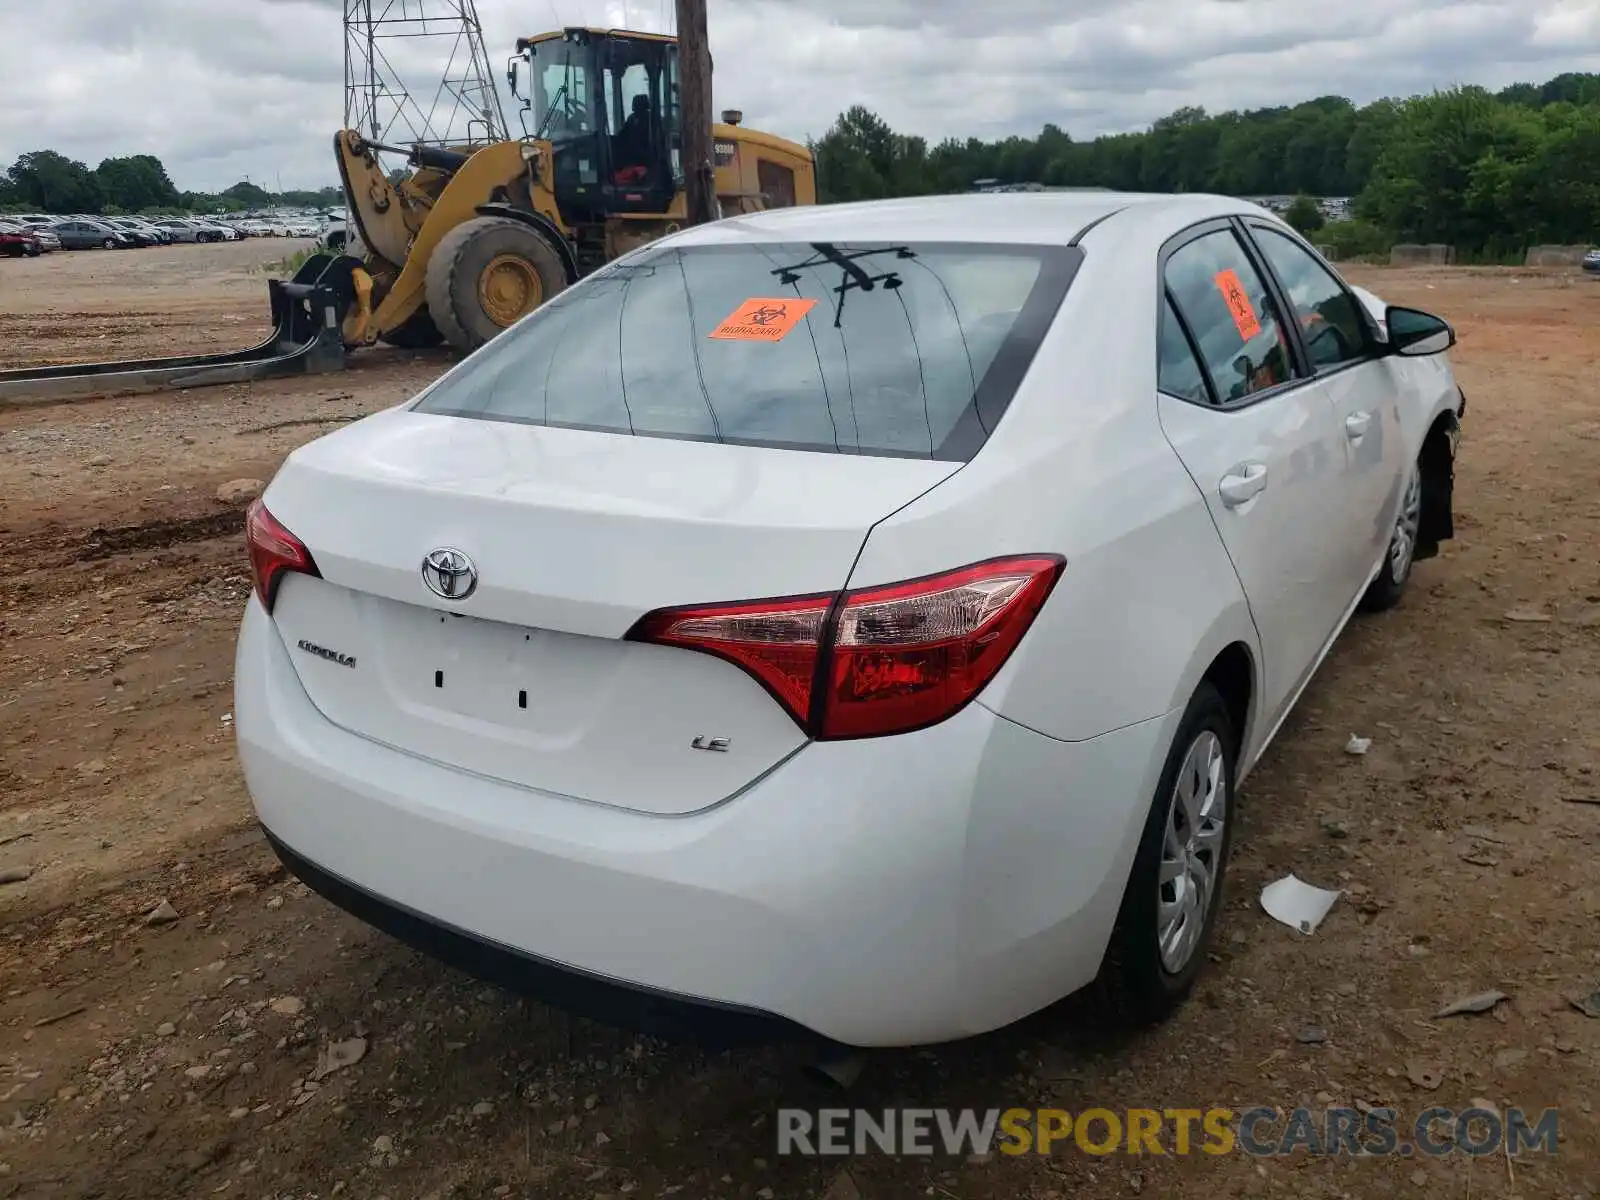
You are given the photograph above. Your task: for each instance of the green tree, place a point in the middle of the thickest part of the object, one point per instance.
(248, 194)
(1466, 168)
(1354, 238)
(1305, 214)
(135, 183)
(53, 183)
(856, 158)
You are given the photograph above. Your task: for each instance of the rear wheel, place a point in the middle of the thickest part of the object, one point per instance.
(416, 332)
(485, 275)
(1175, 888)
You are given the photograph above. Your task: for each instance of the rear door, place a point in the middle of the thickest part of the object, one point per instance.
(1258, 437)
(1344, 355)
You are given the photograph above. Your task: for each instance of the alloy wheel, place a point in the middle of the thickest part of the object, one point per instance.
(1404, 544)
(1191, 850)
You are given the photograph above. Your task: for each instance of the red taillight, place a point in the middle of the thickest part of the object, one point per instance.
(273, 550)
(876, 660)
(774, 640)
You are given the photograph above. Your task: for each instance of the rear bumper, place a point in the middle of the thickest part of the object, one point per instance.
(888, 891)
(645, 1009)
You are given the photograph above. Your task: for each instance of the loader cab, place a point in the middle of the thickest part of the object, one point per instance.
(607, 101)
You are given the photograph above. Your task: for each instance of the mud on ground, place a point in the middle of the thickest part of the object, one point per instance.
(177, 1059)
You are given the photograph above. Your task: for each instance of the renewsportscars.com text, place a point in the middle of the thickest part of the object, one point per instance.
(1259, 1132)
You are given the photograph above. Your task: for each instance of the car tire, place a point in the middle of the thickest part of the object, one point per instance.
(109, 244)
(498, 257)
(1385, 590)
(1158, 946)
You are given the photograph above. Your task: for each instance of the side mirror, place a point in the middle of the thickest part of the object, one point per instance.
(514, 77)
(1417, 334)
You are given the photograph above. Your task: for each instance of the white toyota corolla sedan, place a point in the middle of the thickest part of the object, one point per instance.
(858, 618)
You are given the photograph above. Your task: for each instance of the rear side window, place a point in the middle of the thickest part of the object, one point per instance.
(1234, 321)
(901, 350)
(1178, 374)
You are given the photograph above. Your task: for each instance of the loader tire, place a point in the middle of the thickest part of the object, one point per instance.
(416, 332)
(485, 275)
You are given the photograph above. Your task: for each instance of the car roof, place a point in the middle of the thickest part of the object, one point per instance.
(1033, 218)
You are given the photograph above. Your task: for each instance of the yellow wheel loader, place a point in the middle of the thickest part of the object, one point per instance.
(471, 239)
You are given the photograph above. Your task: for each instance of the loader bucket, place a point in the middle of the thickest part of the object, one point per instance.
(307, 313)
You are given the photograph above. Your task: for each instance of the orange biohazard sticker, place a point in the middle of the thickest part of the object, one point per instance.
(1238, 301)
(763, 319)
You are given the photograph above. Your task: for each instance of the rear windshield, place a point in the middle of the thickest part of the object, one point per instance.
(903, 350)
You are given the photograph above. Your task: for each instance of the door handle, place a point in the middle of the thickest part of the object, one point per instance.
(1243, 484)
(1356, 425)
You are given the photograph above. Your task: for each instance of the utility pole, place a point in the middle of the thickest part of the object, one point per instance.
(694, 70)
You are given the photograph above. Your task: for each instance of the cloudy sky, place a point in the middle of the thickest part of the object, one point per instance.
(223, 89)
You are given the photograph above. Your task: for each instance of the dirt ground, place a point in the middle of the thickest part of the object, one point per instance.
(101, 304)
(177, 1059)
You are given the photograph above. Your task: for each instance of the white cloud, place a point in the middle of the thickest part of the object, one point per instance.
(224, 89)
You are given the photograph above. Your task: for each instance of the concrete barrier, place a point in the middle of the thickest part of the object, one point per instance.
(1555, 256)
(1413, 254)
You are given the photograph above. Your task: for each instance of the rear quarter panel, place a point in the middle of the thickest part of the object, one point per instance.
(1078, 466)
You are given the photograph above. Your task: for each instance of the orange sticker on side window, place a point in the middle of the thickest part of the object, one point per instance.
(1239, 306)
(763, 319)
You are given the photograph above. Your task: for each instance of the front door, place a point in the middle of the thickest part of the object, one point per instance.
(1344, 354)
(1257, 435)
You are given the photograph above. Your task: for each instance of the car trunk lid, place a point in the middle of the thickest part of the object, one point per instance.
(574, 536)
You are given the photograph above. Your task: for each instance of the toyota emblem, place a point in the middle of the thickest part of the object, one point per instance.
(449, 574)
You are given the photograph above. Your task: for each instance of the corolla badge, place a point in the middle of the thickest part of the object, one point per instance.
(449, 574)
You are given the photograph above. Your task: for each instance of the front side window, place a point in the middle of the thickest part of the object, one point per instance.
(905, 350)
(1231, 315)
(1330, 316)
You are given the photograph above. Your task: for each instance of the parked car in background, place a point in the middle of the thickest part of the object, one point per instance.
(141, 237)
(891, 656)
(15, 241)
(1591, 261)
(142, 228)
(181, 229)
(85, 234)
(45, 231)
(191, 229)
(47, 236)
(302, 229)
